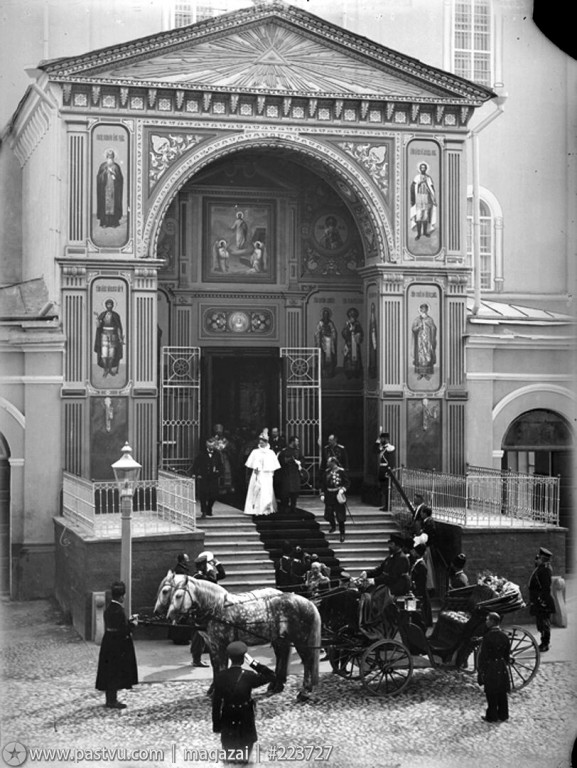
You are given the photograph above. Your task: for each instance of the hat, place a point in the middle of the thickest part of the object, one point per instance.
(545, 552)
(396, 538)
(237, 648)
(420, 549)
(264, 435)
(460, 560)
(386, 435)
(494, 617)
(207, 555)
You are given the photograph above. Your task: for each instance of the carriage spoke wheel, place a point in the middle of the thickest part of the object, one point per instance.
(525, 657)
(386, 668)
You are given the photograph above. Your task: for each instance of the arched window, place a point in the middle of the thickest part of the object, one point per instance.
(491, 240)
(472, 40)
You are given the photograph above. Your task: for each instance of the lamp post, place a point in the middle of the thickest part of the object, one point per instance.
(126, 471)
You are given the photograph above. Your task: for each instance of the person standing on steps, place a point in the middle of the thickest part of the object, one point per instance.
(260, 498)
(207, 469)
(335, 449)
(386, 461)
(289, 475)
(335, 483)
(541, 603)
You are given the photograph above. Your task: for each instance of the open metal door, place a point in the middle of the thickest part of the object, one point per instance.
(180, 408)
(301, 407)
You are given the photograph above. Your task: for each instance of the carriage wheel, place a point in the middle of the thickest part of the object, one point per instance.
(346, 660)
(525, 657)
(386, 668)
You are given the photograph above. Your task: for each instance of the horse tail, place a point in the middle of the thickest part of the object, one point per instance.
(314, 643)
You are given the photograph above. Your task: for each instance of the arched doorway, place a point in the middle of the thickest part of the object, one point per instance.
(312, 241)
(540, 442)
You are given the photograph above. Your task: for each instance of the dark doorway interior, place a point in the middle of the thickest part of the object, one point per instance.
(241, 391)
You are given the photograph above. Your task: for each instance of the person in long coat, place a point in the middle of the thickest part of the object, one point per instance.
(289, 478)
(117, 667)
(207, 468)
(541, 603)
(232, 704)
(419, 583)
(493, 669)
(260, 498)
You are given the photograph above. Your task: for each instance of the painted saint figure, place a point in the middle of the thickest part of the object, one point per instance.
(222, 256)
(373, 343)
(257, 257)
(240, 229)
(109, 186)
(423, 202)
(332, 237)
(353, 336)
(326, 341)
(109, 339)
(424, 343)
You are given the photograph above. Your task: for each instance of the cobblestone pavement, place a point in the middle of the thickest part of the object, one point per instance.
(48, 701)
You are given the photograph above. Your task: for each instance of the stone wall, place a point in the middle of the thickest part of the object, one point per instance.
(85, 565)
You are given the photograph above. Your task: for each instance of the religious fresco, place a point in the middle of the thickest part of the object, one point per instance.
(110, 186)
(423, 164)
(108, 433)
(373, 342)
(336, 329)
(167, 243)
(239, 242)
(424, 434)
(424, 342)
(108, 368)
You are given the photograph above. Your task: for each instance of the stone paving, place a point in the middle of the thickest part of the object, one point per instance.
(48, 701)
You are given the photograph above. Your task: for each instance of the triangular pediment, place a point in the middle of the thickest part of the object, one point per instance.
(272, 49)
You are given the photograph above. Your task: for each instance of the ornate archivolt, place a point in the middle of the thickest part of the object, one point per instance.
(375, 226)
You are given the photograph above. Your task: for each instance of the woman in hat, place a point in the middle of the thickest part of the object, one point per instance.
(493, 666)
(541, 603)
(117, 661)
(457, 576)
(232, 705)
(260, 497)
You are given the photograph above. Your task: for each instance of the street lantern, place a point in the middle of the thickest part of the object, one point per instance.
(126, 471)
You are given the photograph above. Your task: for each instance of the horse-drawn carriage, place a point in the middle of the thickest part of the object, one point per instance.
(366, 635)
(387, 640)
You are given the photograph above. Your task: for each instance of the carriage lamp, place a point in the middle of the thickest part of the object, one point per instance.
(126, 471)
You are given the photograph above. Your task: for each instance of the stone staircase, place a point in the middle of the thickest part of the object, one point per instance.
(365, 540)
(235, 541)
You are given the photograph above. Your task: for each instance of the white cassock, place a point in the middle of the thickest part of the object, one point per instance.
(260, 498)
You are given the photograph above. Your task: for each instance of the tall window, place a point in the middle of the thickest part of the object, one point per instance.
(472, 40)
(190, 11)
(487, 251)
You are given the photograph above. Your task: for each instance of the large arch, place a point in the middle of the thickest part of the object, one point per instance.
(529, 398)
(339, 163)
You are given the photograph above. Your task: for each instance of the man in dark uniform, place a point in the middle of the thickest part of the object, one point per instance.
(207, 569)
(394, 571)
(386, 459)
(333, 479)
(232, 704)
(492, 664)
(333, 449)
(117, 661)
(418, 505)
(207, 468)
(541, 603)
(289, 478)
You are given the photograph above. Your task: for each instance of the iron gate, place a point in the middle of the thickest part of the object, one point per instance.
(301, 405)
(180, 408)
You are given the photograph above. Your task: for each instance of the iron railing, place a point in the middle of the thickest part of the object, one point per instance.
(93, 508)
(482, 497)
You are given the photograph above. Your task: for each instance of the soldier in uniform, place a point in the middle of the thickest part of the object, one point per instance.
(289, 477)
(386, 454)
(334, 449)
(335, 482)
(492, 664)
(232, 705)
(541, 603)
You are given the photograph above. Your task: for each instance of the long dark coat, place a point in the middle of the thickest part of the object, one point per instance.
(393, 572)
(541, 601)
(117, 661)
(493, 660)
(289, 478)
(207, 469)
(419, 585)
(233, 707)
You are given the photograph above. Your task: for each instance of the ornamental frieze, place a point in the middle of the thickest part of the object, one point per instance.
(166, 148)
(219, 321)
